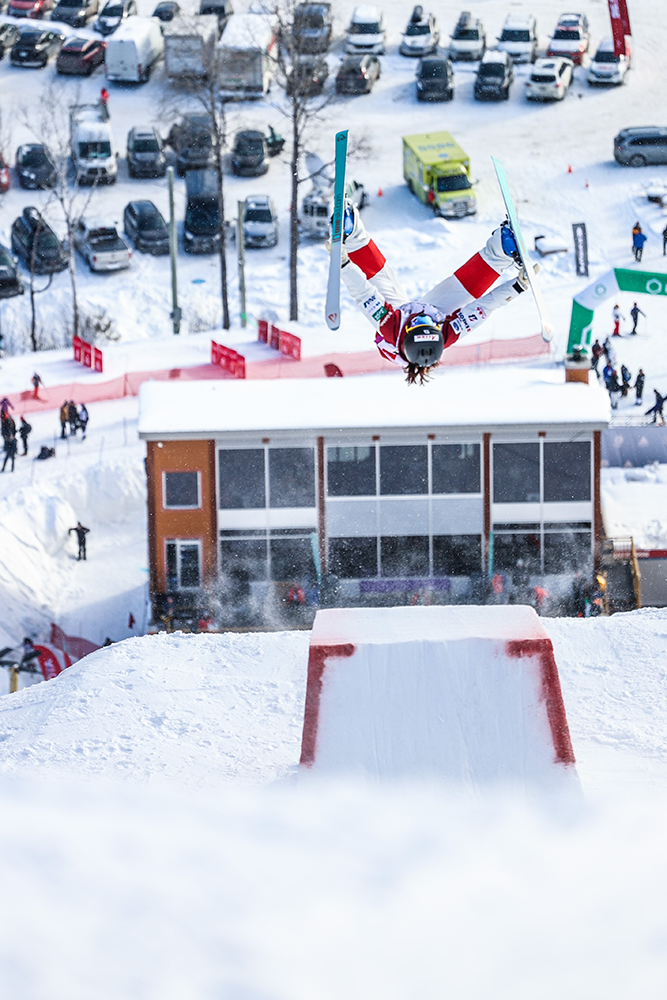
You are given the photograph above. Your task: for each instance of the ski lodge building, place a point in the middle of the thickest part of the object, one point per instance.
(385, 488)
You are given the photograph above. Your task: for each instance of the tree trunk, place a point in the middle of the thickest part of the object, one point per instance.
(222, 248)
(294, 215)
(72, 278)
(33, 336)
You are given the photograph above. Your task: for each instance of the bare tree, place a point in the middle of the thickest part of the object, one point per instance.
(200, 94)
(303, 108)
(49, 122)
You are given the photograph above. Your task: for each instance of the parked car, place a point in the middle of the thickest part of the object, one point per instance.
(80, 56)
(29, 8)
(571, 38)
(35, 46)
(145, 154)
(435, 79)
(31, 232)
(357, 74)
(421, 36)
(101, 246)
(5, 176)
(223, 10)
(313, 24)
(607, 68)
(638, 147)
(10, 280)
(201, 228)
(113, 14)
(249, 155)
(92, 146)
(192, 141)
(260, 221)
(550, 80)
(8, 35)
(494, 76)
(166, 10)
(468, 40)
(366, 31)
(76, 13)
(308, 75)
(145, 226)
(519, 37)
(34, 167)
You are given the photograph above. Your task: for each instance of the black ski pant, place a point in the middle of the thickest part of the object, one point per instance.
(8, 455)
(82, 549)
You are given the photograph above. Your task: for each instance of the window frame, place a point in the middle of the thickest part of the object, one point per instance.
(169, 472)
(179, 543)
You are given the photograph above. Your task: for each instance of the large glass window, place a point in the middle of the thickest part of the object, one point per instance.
(457, 555)
(351, 472)
(353, 558)
(455, 468)
(509, 548)
(291, 559)
(241, 478)
(516, 473)
(403, 469)
(565, 551)
(404, 556)
(291, 477)
(243, 558)
(567, 471)
(181, 490)
(183, 564)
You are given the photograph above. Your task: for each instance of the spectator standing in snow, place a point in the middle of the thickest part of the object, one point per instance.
(83, 420)
(614, 390)
(596, 352)
(64, 416)
(656, 409)
(639, 387)
(664, 241)
(72, 417)
(36, 382)
(635, 312)
(606, 347)
(607, 373)
(81, 533)
(626, 379)
(638, 241)
(104, 101)
(497, 588)
(5, 406)
(8, 426)
(11, 448)
(24, 431)
(617, 316)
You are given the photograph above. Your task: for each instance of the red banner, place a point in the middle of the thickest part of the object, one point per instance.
(87, 352)
(290, 345)
(97, 360)
(274, 337)
(262, 330)
(624, 16)
(618, 14)
(280, 340)
(77, 344)
(228, 359)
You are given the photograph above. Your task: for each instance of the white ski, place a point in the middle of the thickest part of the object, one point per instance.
(332, 309)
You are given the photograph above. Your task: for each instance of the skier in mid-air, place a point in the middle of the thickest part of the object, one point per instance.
(414, 334)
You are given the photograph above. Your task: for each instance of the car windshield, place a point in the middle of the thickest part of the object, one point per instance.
(250, 147)
(113, 10)
(47, 242)
(151, 221)
(6, 261)
(197, 141)
(146, 146)
(457, 182)
(257, 215)
(606, 57)
(515, 35)
(312, 21)
(75, 47)
(467, 34)
(567, 34)
(30, 38)
(94, 150)
(34, 158)
(202, 217)
(542, 78)
(371, 28)
(70, 3)
(492, 69)
(433, 71)
(417, 29)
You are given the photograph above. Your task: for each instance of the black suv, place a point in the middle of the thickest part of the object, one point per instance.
(249, 154)
(8, 35)
(313, 24)
(34, 47)
(192, 141)
(10, 282)
(308, 75)
(435, 79)
(146, 228)
(74, 12)
(145, 156)
(30, 230)
(494, 76)
(34, 167)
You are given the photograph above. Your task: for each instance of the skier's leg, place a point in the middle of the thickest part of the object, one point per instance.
(363, 252)
(473, 278)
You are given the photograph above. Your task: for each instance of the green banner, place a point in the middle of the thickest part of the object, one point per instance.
(601, 290)
(641, 282)
(581, 327)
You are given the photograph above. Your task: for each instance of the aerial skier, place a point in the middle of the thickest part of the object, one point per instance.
(413, 334)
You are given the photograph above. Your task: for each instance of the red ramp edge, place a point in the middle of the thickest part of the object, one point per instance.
(551, 693)
(317, 657)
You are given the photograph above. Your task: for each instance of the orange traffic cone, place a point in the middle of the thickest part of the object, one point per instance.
(587, 182)
(569, 168)
(380, 193)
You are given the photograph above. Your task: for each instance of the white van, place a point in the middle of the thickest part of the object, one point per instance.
(133, 50)
(366, 32)
(92, 146)
(189, 44)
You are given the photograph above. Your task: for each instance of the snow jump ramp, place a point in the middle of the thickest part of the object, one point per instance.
(468, 694)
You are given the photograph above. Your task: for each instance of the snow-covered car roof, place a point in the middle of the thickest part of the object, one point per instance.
(366, 14)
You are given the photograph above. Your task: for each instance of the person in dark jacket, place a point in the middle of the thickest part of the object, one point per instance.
(638, 241)
(635, 312)
(596, 354)
(81, 533)
(607, 372)
(36, 382)
(656, 410)
(606, 347)
(664, 241)
(5, 407)
(83, 419)
(24, 431)
(72, 417)
(11, 448)
(639, 387)
(614, 389)
(626, 379)
(8, 427)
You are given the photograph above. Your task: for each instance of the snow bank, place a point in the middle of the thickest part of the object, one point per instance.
(201, 709)
(469, 694)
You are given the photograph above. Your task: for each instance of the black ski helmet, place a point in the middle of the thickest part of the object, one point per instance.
(423, 342)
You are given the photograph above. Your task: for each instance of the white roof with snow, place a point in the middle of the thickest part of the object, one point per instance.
(488, 398)
(248, 31)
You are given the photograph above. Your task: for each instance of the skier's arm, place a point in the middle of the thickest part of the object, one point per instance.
(367, 297)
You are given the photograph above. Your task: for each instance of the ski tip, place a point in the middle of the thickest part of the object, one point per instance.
(333, 321)
(547, 334)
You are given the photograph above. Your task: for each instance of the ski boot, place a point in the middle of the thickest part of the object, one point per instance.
(509, 243)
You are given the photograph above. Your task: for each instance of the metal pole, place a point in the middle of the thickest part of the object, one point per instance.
(175, 310)
(240, 245)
